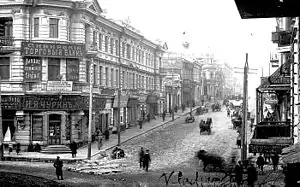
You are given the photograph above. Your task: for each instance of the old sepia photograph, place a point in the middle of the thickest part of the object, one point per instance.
(149, 93)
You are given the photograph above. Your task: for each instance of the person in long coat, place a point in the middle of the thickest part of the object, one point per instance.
(275, 161)
(260, 162)
(58, 164)
(146, 160)
(238, 173)
(252, 175)
(141, 157)
(73, 147)
(99, 140)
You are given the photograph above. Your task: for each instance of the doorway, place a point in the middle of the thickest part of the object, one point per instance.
(54, 129)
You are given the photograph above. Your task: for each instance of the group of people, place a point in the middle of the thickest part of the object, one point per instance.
(261, 161)
(144, 159)
(251, 174)
(117, 153)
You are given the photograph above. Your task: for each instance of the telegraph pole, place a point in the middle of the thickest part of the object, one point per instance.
(245, 111)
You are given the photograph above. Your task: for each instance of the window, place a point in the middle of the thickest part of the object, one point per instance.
(36, 23)
(37, 128)
(133, 51)
(53, 25)
(106, 43)
(137, 55)
(117, 78)
(100, 76)
(100, 41)
(112, 77)
(123, 79)
(133, 81)
(72, 69)
(123, 49)
(87, 66)
(4, 67)
(53, 69)
(117, 47)
(106, 77)
(94, 38)
(95, 74)
(111, 46)
(128, 80)
(128, 51)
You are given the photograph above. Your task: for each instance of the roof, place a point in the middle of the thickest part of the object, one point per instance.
(279, 80)
(268, 8)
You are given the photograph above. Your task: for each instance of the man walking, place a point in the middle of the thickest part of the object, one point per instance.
(252, 175)
(260, 163)
(146, 160)
(275, 161)
(164, 115)
(58, 164)
(100, 139)
(73, 147)
(141, 157)
(238, 173)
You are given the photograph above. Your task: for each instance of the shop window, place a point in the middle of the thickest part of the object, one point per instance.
(36, 23)
(53, 69)
(72, 69)
(4, 68)
(37, 128)
(53, 26)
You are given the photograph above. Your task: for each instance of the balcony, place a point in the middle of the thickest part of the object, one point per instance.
(6, 45)
(282, 38)
(271, 137)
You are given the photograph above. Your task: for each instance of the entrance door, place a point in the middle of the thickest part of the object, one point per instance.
(54, 129)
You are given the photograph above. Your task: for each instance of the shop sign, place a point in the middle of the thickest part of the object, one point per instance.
(50, 102)
(59, 85)
(11, 102)
(108, 91)
(52, 50)
(258, 148)
(32, 69)
(151, 99)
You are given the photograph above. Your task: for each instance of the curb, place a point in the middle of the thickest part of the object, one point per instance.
(132, 137)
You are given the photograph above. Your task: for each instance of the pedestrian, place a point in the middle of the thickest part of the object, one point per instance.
(140, 123)
(238, 173)
(18, 148)
(228, 112)
(239, 141)
(106, 134)
(73, 147)
(99, 140)
(164, 115)
(141, 157)
(148, 117)
(275, 161)
(260, 162)
(146, 160)
(58, 164)
(251, 175)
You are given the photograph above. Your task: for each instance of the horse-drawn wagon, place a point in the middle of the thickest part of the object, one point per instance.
(205, 125)
(216, 107)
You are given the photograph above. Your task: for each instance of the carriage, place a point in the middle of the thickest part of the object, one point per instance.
(190, 119)
(201, 110)
(216, 107)
(205, 125)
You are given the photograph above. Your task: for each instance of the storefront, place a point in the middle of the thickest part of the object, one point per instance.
(52, 119)
(142, 106)
(123, 113)
(132, 111)
(152, 104)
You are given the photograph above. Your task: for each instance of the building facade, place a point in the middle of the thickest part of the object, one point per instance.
(50, 54)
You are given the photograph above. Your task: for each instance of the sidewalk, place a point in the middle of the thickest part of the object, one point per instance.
(126, 135)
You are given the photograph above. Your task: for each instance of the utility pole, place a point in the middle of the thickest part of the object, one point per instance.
(90, 111)
(245, 111)
(1, 127)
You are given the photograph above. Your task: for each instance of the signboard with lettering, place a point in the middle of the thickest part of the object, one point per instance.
(32, 69)
(13, 102)
(260, 148)
(52, 50)
(59, 86)
(123, 101)
(72, 70)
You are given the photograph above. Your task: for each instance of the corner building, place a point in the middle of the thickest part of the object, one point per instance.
(50, 53)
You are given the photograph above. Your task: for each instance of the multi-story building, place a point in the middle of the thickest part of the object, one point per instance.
(52, 51)
(228, 80)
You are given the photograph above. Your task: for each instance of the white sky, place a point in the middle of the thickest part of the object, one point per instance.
(211, 26)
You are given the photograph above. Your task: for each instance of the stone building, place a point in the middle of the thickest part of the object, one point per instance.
(51, 51)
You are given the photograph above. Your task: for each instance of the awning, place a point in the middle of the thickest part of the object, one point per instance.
(279, 80)
(268, 8)
(291, 154)
(132, 102)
